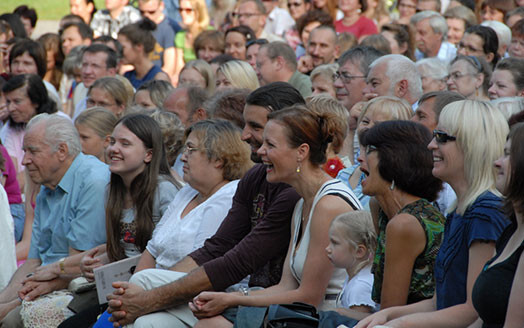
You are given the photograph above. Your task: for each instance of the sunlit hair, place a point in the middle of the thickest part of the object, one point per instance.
(57, 130)
(481, 132)
(172, 133)
(502, 30)
(158, 91)
(357, 228)
(436, 22)
(509, 106)
(99, 119)
(142, 189)
(392, 108)
(202, 16)
(325, 70)
(204, 69)
(317, 130)
(240, 74)
(114, 87)
(326, 104)
(398, 68)
(220, 140)
(433, 68)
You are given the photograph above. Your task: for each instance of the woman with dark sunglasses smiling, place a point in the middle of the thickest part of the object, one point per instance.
(195, 18)
(470, 136)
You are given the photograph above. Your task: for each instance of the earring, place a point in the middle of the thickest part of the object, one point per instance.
(298, 167)
(392, 185)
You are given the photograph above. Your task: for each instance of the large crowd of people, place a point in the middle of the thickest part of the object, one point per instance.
(359, 157)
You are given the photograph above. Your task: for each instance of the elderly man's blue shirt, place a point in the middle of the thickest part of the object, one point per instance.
(73, 214)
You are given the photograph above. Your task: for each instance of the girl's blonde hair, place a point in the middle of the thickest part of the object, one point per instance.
(202, 23)
(396, 108)
(358, 229)
(204, 69)
(326, 104)
(481, 132)
(99, 119)
(240, 74)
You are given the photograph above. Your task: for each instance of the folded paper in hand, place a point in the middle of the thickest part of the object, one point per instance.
(109, 273)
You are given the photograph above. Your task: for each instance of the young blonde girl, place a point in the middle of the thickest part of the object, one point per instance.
(352, 243)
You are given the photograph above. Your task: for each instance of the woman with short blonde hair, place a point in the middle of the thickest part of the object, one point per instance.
(322, 79)
(110, 93)
(236, 74)
(198, 73)
(94, 125)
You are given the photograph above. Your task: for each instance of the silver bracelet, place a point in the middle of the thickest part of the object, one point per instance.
(244, 291)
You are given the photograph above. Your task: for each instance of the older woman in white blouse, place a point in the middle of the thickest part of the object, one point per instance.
(214, 159)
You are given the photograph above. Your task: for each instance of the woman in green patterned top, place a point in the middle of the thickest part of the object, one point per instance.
(397, 164)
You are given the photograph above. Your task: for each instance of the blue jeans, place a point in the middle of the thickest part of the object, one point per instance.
(18, 214)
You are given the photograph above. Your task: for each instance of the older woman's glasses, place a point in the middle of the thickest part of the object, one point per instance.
(442, 137)
(189, 150)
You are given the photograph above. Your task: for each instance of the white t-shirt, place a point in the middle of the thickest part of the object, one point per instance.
(175, 237)
(7, 242)
(357, 291)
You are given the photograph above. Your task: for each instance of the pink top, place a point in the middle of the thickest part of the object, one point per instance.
(11, 184)
(13, 140)
(363, 26)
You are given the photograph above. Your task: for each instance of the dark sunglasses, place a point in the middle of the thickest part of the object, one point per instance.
(294, 4)
(186, 10)
(442, 137)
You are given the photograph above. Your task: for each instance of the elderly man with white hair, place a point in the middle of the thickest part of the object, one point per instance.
(431, 34)
(393, 75)
(68, 218)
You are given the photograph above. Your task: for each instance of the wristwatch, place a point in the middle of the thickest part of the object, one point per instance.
(61, 265)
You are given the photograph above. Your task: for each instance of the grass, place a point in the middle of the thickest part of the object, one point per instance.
(45, 9)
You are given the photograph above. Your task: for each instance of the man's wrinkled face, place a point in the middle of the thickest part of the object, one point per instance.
(427, 40)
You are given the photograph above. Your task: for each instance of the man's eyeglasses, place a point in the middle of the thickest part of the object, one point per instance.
(442, 137)
(346, 77)
(455, 76)
(256, 41)
(246, 15)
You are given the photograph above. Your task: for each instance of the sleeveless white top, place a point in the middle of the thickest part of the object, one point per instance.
(298, 255)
